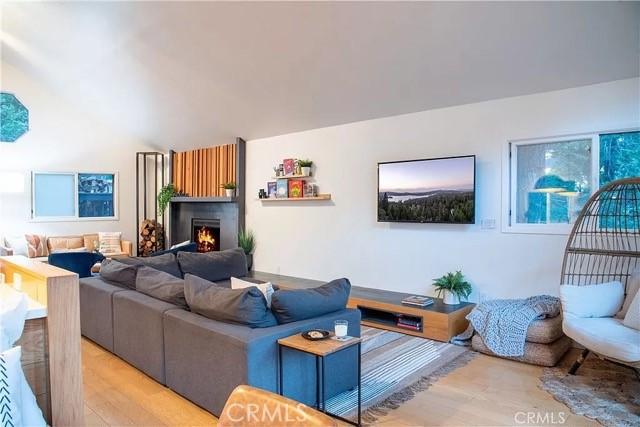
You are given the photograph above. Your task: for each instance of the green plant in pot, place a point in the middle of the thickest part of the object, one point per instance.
(229, 189)
(164, 197)
(305, 165)
(247, 242)
(452, 287)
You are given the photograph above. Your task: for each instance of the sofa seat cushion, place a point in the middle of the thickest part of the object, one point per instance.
(64, 242)
(166, 263)
(545, 331)
(214, 266)
(298, 304)
(606, 336)
(138, 331)
(96, 310)
(245, 306)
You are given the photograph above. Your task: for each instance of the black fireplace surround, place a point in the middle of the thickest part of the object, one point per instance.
(187, 218)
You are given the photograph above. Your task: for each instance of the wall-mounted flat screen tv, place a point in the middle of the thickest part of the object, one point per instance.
(427, 191)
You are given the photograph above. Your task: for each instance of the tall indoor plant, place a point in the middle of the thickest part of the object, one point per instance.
(452, 287)
(247, 242)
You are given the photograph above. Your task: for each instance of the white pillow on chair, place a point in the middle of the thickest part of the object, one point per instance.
(633, 285)
(602, 300)
(632, 318)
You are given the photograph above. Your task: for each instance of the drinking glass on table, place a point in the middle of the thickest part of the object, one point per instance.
(340, 328)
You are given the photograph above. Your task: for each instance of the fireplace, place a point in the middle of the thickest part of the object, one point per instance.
(206, 234)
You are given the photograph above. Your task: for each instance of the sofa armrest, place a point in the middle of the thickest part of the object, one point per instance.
(127, 247)
(5, 251)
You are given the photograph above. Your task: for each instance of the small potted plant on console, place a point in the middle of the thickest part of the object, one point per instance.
(229, 189)
(452, 287)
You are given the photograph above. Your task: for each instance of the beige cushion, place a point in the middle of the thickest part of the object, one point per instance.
(18, 244)
(633, 284)
(36, 245)
(65, 242)
(534, 353)
(606, 336)
(91, 241)
(545, 331)
(110, 242)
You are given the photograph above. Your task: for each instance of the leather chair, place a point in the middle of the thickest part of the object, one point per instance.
(252, 407)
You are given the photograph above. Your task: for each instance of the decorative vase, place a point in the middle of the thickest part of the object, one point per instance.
(306, 170)
(249, 261)
(451, 298)
(230, 193)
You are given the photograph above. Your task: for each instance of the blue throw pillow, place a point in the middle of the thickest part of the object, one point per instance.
(189, 247)
(300, 304)
(77, 262)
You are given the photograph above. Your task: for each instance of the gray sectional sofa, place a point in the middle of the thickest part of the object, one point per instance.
(204, 359)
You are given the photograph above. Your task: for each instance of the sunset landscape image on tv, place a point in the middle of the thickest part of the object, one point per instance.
(435, 190)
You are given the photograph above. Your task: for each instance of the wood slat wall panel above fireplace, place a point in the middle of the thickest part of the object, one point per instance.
(201, 173)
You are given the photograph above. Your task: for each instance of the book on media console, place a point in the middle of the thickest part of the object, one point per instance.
(418, 300)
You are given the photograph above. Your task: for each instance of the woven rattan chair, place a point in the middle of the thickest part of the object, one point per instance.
(604, 246)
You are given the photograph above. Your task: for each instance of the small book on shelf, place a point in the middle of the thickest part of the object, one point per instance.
(418, 300)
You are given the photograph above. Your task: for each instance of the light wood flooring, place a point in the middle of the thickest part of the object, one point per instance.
(486, 392)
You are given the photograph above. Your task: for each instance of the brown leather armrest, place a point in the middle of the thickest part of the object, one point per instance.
(251, 407)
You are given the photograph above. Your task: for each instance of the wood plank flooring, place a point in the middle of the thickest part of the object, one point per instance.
(487, 392)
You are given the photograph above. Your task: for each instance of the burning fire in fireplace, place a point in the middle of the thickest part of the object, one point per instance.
(205, 239)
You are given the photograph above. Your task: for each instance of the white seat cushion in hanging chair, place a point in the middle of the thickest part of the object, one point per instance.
(606, 336)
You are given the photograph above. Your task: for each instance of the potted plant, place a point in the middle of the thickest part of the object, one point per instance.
(305, 165)
(247, 242)
(229, 189)
(453, 286)
(164, 197)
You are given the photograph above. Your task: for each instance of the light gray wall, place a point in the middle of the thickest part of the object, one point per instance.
(342, 238)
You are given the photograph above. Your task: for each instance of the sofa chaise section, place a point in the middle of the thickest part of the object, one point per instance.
(206, 359)
(96, 310)
(138, 334)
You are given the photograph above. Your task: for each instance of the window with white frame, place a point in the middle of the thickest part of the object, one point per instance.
(70, 196)
(551, 179)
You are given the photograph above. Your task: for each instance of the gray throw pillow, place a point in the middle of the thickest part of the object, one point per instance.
(242, 306)
(161, 285)
(166, 263)
(117, 272)
(300, 304)
(214, 266)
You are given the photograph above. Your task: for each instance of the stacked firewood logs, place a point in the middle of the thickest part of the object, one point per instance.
(151, 237)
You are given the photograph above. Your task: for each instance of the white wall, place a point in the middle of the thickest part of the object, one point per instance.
(65, 139)
(342, 238)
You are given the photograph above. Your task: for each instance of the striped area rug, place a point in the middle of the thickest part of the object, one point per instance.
(394, 368)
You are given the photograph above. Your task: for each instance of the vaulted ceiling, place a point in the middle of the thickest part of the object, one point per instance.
(183, 75)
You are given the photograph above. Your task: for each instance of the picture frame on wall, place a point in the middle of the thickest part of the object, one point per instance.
(296, 188)
(272, 189)
(282, 190)
(289, 166)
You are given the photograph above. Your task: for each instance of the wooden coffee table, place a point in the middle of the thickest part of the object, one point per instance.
(320, 349)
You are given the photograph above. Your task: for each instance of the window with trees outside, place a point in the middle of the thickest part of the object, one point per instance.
(72, 196)
(551, 179)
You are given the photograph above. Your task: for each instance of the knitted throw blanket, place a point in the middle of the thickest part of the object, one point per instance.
(503, 324)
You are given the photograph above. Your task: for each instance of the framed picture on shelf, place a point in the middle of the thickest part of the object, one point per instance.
(272, 189)
(310, 190)
(289, 166)
(281, 189)
(296, 188)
